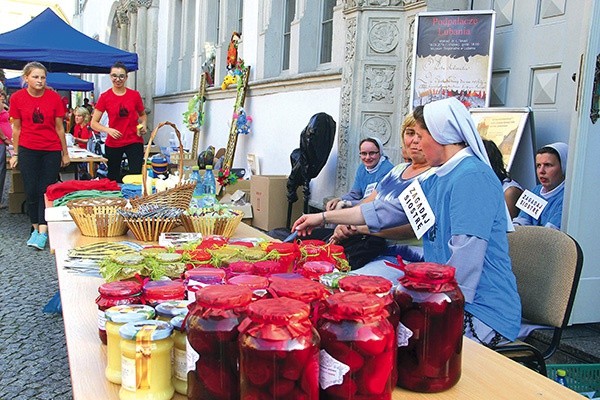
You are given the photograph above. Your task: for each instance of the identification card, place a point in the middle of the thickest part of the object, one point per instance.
(417, 208)
(531, 204)
(369, 189)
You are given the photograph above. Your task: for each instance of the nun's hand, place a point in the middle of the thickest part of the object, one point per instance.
(342, 232)
(306, 223)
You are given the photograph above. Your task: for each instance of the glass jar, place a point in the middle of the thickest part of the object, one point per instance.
(267, 268)
(212, 334)
(115, 294)
(332, 281)
(314, 269)
(156, 292)
(116, 317)
(196, 278)
(302, 289)
(358, 348)
(286, 254)
(146, 361)
(430, 329)
(239, 268)
(258, 284)
(167, 310)
(279, 351)
(179, 360)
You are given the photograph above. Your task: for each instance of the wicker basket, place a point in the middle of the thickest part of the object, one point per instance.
(147, 227)
(181, 195)
(224, 226)
(98, 217)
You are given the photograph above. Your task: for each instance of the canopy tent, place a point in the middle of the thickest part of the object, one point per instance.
(61, 48)
(58, 81)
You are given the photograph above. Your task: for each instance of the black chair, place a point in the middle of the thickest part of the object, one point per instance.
(547, 264)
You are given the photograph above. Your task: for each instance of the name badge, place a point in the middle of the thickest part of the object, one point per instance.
(417, 208)
(531, 204)
(369, 189)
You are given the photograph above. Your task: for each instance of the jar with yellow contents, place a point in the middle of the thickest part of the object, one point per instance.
(116, 317)
(146, 361)
(179, 359)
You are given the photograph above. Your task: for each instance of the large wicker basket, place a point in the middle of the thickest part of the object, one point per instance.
(179, 196)
(149, 220)
(98, 217)
(218, 225)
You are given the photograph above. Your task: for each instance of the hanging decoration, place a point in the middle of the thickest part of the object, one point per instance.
(193, 117)
(242, 122)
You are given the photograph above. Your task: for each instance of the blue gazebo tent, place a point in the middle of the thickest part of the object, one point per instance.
(61, 48)
(57, 81)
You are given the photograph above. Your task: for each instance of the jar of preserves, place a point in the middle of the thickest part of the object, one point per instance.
(286, 254)
(430, 329)
(279, 351)
(146, 361)
(258, 284)
(196, 278)
(165, 311)
(115, 294)
(314, 269)
(302, 289)
(358, 348)
(267, 268)
(116, 317)
(212, 334)
(156, 292)
(239, 268)
(179, 360)
(332, 281)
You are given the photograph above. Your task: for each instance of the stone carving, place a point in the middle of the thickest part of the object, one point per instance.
(144, 3)
(376, 126)
(383, 36)
(409, 64)
(350, 45)
(379, 84)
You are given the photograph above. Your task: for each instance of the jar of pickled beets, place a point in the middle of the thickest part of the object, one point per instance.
(115, 294)
(430, 329)
(358, 348)
(303, 289)
(212, 333)
(279, 351)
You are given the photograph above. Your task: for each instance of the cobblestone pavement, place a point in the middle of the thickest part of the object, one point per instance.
(33, 355)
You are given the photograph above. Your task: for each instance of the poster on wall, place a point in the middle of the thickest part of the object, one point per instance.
(453, 57)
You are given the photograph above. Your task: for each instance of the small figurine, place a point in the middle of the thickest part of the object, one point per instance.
(232, 51)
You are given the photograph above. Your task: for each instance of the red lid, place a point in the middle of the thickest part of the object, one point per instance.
(223, 296)
(365, 284)
(199, 255)
(252, 282)
(241, 266)
(428, 276)
(199, 273)
(164, 290)
(354, 306)
(266, 267)
(302, 289)
(282, 247)
(318, 267)
(120, 288)
(278, 311)
(336, 248)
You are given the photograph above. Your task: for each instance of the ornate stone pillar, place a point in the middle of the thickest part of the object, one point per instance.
(123, 26)
(374, 79)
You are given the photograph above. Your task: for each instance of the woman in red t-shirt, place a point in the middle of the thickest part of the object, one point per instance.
(40, 146)
(125, 111)
(81, 128)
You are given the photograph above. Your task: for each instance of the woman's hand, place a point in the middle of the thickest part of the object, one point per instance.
(331, 204)
(14, 160)
(306, 223)
(342, 232)
(115, 134)
(65, 160)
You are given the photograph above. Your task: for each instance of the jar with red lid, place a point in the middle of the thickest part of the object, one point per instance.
(430, 329)
(115, 294)
(239, 268)
(267, 268)
(302, 289)
(279, 351)
(213, 356)
(313, 270)
(258, 284)
(156, 292)
(202, 276)
(358, 348)
(285, 253)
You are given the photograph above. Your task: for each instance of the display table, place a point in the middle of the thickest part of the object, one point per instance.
(485, 374)
(79, 155)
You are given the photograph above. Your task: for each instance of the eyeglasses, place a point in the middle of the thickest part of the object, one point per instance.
(121, 76)
(368, 153)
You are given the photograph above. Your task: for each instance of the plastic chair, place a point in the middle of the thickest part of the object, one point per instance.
(547, 264)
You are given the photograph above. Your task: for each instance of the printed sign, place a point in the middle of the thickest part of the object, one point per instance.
(531, 204)
(453, 57)
(369, 189)
(417, 208)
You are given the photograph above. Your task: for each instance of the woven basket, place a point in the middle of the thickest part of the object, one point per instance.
(179, 196)
(149, 221)
(98, 217)
(224, 226)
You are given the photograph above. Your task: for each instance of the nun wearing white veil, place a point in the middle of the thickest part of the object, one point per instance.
(471, 220)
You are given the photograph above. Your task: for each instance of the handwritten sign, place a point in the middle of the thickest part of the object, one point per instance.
(417, 208)
(531, 204)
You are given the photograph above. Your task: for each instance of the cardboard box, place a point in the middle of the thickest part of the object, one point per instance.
(268, 195)
(16, 184)
(16, 203)
(241, 184)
